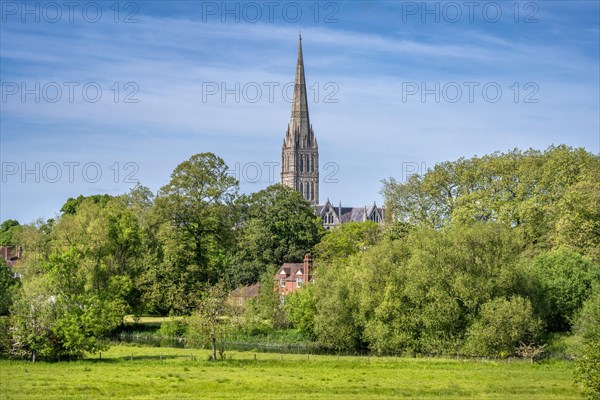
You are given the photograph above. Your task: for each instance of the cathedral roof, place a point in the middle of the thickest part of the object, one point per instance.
(350, 214)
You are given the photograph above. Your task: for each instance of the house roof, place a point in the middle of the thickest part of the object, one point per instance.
(246, 292)
(290, 270)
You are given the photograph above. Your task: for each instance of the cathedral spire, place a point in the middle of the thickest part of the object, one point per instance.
(299, 119)
(300, 153)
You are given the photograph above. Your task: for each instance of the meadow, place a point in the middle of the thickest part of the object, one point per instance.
(132, 372)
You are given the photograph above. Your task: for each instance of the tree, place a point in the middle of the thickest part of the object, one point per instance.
(501, 326)
(587, 369)
(8, 287)
(563, 279)
(346, 240)
(265, 312)
(520, 189)
(72, 204)
(8, 232)
(578, 223)
(197, 202)
(60, 316)
(587, 324)
(212, 322)
(301, 308)
(107, 240)
(278, 226)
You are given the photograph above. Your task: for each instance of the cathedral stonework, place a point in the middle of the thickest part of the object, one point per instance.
(300, 161)
(300, 151)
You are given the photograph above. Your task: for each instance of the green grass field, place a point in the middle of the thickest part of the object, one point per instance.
(186, 374)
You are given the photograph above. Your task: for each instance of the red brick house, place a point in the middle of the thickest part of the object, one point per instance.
(291, 276)
(11, 254)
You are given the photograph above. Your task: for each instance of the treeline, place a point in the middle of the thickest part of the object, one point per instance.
(105, 257)
(479, 256)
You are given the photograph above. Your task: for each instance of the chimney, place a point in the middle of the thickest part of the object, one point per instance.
(307, 266)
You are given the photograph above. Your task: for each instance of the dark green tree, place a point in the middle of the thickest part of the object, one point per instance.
(8, 287)
(278, 226)
(72, 204)
(9, 232)
(197, 204)
(563, 280)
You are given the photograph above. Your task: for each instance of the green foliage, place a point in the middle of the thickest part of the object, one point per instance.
(501, 325)
(265, 312)
(578, 223)
(301, 308)
(564, 280)
(347, 239)
(8, 287)
(5, 339)
(61, 316)
(336, 323)
(196, 205)
(587, 321)
(587, 324)
(9, 232)
(213, 321)
(172, 328)
(548, 197)
(587, 369)
(418, 294)
(72, 204)
(278, 226)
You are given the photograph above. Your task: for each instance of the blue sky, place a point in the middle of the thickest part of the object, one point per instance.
(395, 87)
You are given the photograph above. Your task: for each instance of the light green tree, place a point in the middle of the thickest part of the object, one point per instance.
(214, 320)
(501, 326)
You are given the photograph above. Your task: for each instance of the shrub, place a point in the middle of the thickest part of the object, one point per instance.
(587, 324)
(564, 278)
(502, 325)
(587, 369)
(172, 328)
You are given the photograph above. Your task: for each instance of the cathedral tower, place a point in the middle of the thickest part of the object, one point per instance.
(300, 152)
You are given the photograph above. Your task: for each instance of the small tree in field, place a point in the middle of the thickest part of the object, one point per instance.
(213, 321)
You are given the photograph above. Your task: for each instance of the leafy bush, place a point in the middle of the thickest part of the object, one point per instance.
(8, 287)
(502, 325)
(4, 336)
(587, 324)
(587, 369)
(301, 307)
(564, 279)
(172, 328)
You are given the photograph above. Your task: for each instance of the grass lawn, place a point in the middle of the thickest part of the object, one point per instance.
(274, 376)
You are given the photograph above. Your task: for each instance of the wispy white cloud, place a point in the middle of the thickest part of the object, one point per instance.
(368, 133)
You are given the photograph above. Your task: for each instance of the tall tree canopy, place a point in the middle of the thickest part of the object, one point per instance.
(278, 226)
(519, 188)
